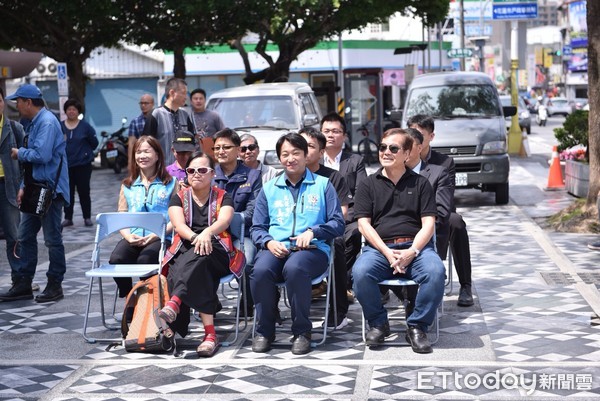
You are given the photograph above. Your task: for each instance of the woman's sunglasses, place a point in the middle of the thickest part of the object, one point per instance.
(251, 148)
(199, 170)
(393, 148)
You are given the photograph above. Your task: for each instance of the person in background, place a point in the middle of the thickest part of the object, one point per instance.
(198, 258)
(459, 237)
(183, 147)
(11, 136)
(147, 188)
(316, 147)
(249, 151)
(136, 127)
(207, 122)
(43, 157)
(166, 120)
(81, 143)
(352, 167)
(296, 214)
(243, 184)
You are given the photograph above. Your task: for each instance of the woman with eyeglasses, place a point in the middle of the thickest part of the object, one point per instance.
(200, 253)
(249, 151)
(147, 188)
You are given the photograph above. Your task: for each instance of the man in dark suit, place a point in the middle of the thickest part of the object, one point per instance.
(352, 167)
(459, 237)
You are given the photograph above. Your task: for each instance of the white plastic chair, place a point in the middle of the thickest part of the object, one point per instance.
(107, 224)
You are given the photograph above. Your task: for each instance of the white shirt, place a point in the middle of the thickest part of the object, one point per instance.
(417, 168)
(335, 163)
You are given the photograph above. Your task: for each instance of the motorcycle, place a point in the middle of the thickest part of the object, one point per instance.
(113, 148)
(542, 115)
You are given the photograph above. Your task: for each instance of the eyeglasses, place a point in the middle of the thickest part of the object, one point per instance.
(224, 147)
(199, 170)
(332, 131)
(251, 148)
(393, 148)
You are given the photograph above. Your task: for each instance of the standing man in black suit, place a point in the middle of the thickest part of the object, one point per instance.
(459, 237)
(352, 167)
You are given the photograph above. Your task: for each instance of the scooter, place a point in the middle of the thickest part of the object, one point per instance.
(113, 148)
(542, 115)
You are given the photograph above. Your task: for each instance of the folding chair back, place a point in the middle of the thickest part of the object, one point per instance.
(107, 224)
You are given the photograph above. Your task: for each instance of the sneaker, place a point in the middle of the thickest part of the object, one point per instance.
(342, 321)
(594, 246)
(67, 223)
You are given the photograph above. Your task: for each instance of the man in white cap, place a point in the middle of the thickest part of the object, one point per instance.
(42, 156)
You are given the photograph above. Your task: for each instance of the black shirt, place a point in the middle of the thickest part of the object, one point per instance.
(338, 182)
(199, 213)
(395, 210)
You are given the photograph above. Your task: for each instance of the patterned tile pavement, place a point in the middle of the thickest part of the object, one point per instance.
(527, 325)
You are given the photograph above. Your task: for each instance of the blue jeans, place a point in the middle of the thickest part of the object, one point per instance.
(9, 219)
(297, 270)
(27, 249)
(427, 270)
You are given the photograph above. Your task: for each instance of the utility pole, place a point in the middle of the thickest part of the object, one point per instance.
(462, 32)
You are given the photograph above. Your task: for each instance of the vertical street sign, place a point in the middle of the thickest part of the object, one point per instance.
(62, 82)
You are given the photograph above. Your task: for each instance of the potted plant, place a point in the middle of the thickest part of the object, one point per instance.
(573, 149)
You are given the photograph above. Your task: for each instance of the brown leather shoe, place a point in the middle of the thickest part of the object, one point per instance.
(319, 290)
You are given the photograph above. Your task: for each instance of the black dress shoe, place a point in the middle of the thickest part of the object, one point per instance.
(418, 340)
(52, 292)
(301, 344)
(377, 335)
(465, 297)
(261, 343)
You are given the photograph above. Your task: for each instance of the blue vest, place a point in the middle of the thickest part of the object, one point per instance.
(288, 218)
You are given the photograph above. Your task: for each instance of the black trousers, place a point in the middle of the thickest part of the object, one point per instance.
(461, 251)
(79, 177)
(124, 253)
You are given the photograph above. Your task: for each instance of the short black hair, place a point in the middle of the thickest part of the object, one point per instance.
(200, 154)
(415, 134)
(173, 84)
(315, 133)
(422, 121)
(230, 134)
(198, 90)
(334, 117)
(295, 139)
(72, 102)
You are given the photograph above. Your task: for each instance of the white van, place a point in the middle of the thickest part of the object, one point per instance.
(469, 126)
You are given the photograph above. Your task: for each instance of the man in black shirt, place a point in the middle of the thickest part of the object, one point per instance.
(396, 212)
(459, 237)
(316, 147)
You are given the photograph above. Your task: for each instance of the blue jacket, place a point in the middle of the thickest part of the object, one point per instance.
(12, 137)
(277, 217)
(81, 143)
(155, 199)
(243, 186)
(45, 149)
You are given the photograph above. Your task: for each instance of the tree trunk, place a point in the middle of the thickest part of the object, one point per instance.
(593, 16)
(179, 70)
(77, 80)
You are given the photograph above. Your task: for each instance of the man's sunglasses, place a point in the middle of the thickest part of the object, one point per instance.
(251, 148)
(199, 170)
(393, 148)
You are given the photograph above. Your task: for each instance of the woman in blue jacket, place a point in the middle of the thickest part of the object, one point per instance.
(81, 142)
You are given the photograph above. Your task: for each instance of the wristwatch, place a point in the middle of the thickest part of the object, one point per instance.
(415, 250)
(193, 237)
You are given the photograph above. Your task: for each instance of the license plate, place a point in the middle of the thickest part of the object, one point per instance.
(460, 180)
(112, 154)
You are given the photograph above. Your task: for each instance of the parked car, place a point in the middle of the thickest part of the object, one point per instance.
(578, 103)
(522, 112)
(267, 111)
(557, 105)
(469, 126)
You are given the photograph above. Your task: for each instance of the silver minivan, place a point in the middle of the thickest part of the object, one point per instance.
(469, 126)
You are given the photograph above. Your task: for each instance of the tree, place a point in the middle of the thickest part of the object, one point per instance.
(593, 16)
(298, 25)
(65, 31)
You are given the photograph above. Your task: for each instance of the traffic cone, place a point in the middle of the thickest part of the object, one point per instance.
(555, 178)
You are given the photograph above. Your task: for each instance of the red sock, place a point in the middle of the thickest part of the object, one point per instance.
(174, 303)
(176, 299)
(210, 329)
